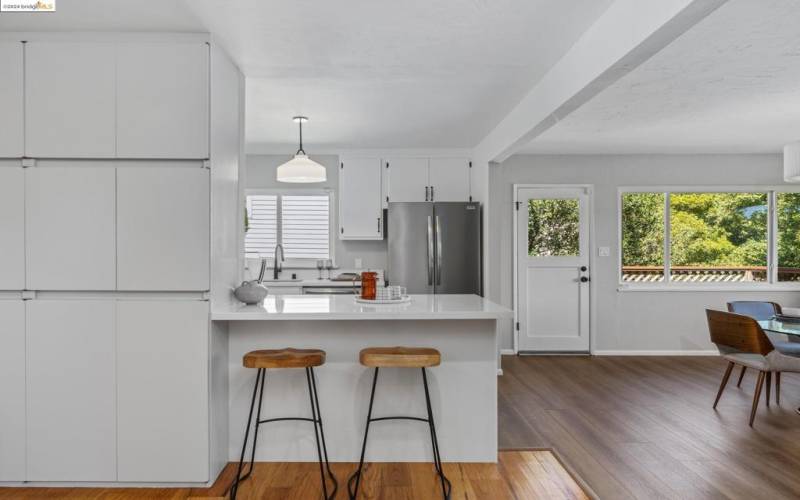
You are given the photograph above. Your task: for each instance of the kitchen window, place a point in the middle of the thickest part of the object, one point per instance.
(684, 238)
(301, 222)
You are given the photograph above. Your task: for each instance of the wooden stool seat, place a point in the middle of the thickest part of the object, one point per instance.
(400, 357)
(284, 358)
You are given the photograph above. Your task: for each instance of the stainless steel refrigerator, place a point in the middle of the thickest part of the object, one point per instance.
(435, 247)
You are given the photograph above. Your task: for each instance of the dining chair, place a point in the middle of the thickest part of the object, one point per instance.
(760, 310)
(741, 341)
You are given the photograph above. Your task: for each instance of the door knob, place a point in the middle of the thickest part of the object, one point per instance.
(583, 268)
(584, 279)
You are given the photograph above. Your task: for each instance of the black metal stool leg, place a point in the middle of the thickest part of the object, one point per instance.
(437, 460)
(322, 435)
(260, 379)
(357, 474)
(317, 420)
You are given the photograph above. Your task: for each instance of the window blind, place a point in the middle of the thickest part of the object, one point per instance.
(305, 226)
(301, 223)
(262, 235)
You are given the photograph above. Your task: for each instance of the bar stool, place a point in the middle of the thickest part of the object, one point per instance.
(285, 358)
(400, 357)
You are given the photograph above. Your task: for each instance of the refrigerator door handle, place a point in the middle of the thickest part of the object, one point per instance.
(438, 250)
(430, 251)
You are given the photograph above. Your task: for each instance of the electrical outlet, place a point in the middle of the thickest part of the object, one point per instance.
(358, 263)
(604, 252)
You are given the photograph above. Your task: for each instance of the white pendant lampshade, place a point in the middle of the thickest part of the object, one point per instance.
(301, 168)
(791, 162)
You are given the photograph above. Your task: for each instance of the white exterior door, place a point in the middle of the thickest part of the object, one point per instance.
(553, 269)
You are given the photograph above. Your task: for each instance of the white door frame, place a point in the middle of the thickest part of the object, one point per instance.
(589, 188)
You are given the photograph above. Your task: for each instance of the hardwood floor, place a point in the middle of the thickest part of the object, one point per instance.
(643, 427)
(519, 475)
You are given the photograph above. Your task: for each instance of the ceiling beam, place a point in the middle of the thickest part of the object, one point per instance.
(622, 38)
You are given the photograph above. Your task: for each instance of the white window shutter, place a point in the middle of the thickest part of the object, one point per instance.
(262, 236)
(305, 226)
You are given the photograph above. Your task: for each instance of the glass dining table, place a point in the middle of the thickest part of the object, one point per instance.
(784, 327)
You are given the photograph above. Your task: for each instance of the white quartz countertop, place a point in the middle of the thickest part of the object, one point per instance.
(344, 307)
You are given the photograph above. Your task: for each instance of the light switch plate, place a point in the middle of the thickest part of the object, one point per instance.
(604, 252)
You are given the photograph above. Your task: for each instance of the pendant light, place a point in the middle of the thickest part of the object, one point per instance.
(791, 162)
(301, 168)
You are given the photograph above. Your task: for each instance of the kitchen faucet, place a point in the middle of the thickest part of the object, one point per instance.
(277, 268)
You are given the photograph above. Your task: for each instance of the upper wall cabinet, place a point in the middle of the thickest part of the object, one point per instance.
(12, 227)
(70, 100)
(408, 179)
(163, 228)
(162, 100)
(69, 212)
(11, 100)
(449, 179)
(360, 206)
(428, 179)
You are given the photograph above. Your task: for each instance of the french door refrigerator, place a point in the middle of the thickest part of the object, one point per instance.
(435, 247)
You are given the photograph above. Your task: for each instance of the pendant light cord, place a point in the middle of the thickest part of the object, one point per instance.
(301, 137)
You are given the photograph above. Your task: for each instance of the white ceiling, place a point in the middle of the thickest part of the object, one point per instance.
(106, 15)
(389, 73)
(729, 85)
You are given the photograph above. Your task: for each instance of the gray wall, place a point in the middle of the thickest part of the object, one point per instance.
(261, 171)
(626, 321)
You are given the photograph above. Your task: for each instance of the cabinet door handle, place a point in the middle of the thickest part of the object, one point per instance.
(426, 193)
(379, 224)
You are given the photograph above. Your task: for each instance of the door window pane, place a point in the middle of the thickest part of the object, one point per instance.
(718, 237)
(788, 212)
(643, 237)
(553, 228)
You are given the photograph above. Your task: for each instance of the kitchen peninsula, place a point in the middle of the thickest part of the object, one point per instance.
(464, 386)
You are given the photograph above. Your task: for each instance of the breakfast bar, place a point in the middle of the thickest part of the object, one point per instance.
(463, 388)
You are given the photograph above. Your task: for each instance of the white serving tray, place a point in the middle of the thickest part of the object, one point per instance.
(403, 300)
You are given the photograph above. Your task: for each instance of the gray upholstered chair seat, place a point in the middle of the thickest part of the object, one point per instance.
(788, 348)
(773, 362)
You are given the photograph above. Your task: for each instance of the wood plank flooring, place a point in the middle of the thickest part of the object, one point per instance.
(519, 475)
(643, 427)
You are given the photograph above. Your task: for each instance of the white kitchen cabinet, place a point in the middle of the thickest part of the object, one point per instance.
(163, 227)
(11, 100)
(408, 179)
(162, 384)
(12, 390)
(70, 241)
(70, 99)
(449, 179)
(12, 227)
(162, 100)
(71, 390)
(360, 205)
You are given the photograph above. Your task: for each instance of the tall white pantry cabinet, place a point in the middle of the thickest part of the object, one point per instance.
(119, 165)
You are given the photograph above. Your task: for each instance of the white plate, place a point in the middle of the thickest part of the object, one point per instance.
(403, 300)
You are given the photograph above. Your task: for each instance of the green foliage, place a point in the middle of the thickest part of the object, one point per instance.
(706, 229)
(553, 227)
(643, 229)
(788, 211)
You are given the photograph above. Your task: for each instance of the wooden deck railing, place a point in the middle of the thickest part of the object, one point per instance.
(706, 274)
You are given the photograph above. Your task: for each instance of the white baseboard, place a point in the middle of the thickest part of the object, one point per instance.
(507, 352)
(697, 352)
